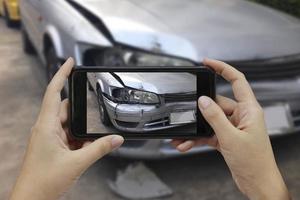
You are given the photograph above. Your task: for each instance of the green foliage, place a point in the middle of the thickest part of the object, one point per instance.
(289, 6)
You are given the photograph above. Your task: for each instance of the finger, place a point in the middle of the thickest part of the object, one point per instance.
(177, 142)
(64, 111)
(97, 149)
(87, 143)
(216, 118)
(52, 100)
(185, 146)
(228, 105)
(212, 141)
(63, 115)
(241, 88)
(58, 81)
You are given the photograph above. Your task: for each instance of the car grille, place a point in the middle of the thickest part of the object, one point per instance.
(180, 97)
(270, 69)
(158, 123)
(127, 124)
(296, 117)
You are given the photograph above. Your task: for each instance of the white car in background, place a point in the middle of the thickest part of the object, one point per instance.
(261, 42)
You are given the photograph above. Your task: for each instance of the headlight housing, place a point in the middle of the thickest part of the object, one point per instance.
(132, 96)
(146, 59)
(123, 56)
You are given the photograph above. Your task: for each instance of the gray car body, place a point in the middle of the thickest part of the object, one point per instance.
(235, 31)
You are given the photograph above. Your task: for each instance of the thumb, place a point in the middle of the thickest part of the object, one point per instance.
(99, 148)
(215, 116)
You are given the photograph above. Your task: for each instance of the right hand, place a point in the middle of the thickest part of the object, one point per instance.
(241, 137)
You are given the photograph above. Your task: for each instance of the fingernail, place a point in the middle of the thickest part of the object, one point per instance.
(70, 59)
(185, 146)
(204, 102)
(206, 60)
(182, 147)
(116, 141)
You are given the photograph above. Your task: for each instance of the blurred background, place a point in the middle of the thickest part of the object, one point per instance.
(290, 6)
(259, 37)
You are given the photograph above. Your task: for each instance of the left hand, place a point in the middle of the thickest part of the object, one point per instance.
(53, 160)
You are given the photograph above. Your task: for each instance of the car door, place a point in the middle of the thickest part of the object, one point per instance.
(31, 18)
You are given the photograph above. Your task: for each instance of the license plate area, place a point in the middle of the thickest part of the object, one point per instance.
(278, 119)
(182, 117)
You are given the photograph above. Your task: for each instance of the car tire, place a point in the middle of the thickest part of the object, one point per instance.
(27, 44)
(90, 87)
(104, 117)
(53, 64)
(8, 21)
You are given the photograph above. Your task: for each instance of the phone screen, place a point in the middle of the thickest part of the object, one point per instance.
(139, 103)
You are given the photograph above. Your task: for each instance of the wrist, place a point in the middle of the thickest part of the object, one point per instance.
(31, 186)
(270, 186)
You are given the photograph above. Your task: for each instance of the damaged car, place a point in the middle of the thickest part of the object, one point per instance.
(143, 102)
(260, 41)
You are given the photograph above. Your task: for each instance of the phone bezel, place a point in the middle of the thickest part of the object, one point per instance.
(77, 116)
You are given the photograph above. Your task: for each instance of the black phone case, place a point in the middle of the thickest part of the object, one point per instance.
(78, 121)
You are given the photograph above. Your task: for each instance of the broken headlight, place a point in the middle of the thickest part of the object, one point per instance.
(146, 59)
(132, 96)
(123, 56)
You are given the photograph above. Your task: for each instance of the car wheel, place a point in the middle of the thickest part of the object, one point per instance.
(104, 117)
(8, 21)
(53, 64)
(90, 86)
(27, 45)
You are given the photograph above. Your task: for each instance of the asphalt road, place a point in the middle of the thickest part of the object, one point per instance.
(205, 176)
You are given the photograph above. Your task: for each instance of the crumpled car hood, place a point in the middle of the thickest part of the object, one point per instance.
(231, 30)
(160, 83)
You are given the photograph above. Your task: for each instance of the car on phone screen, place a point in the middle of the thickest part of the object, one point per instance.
(260, 41)
(9, 9)
(143, 102)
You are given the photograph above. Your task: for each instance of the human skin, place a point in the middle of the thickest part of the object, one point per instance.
(241, 137)
(53, 160)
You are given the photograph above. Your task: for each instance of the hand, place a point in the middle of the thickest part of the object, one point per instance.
(241, 137)
(54, 161)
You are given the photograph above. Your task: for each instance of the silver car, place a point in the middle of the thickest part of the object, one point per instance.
(143, 102)
(261, 42)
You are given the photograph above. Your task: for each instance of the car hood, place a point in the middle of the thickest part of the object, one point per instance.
(160, 83)
(231, 30)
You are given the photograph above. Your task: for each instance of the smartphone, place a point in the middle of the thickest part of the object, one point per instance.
(139, 102)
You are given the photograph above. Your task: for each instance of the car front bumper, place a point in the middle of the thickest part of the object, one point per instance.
(269, 93)
(153, 150)
(156, 149)
(144, 118)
